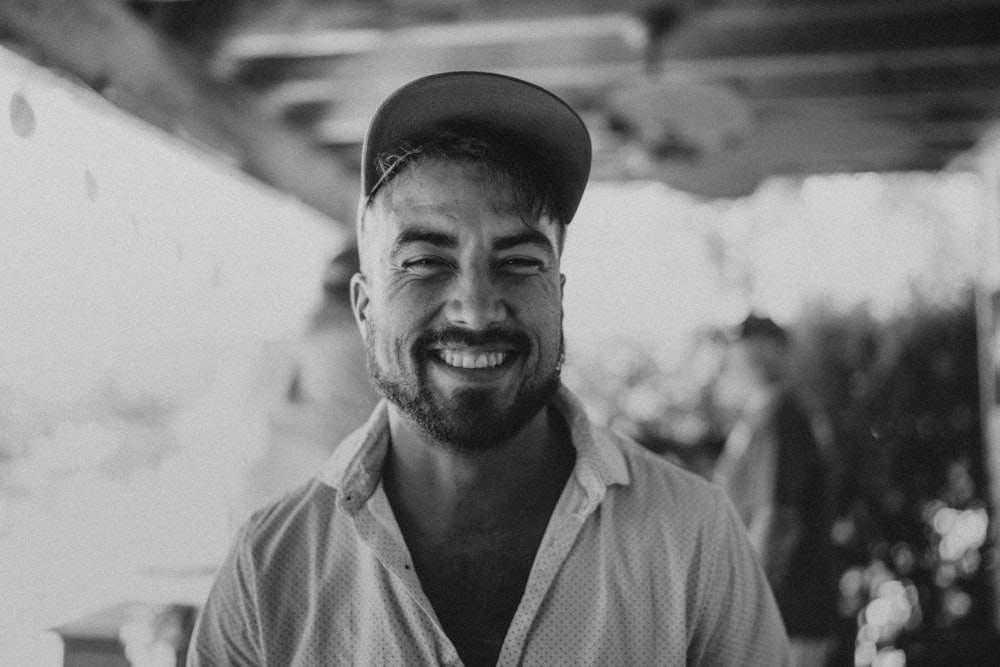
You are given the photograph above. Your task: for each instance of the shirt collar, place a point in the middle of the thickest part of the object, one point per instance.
(355, 467)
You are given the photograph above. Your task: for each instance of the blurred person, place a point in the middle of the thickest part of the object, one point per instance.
(332, 377)
(772, 469)
(329, 393)
(479, 517)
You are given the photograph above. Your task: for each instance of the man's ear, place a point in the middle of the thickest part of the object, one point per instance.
(360, 300)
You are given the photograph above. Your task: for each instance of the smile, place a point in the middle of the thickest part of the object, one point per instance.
(471, 358)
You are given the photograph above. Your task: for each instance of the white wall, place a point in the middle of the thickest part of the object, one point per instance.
(130, 263)
(117, 240)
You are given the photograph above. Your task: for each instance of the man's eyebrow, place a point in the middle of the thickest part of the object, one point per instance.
(527, 237)
(422, 235)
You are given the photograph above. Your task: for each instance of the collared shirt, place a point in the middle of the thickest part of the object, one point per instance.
(772, 471)
(747, 466)
(642, 563)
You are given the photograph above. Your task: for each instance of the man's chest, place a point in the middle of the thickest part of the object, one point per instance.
(476, 588)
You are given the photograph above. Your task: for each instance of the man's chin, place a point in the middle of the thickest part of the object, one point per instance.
(475, 400)
(473, 421)
(466, 438)
(476, 419)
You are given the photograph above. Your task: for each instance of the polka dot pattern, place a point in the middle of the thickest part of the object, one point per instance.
(642, 564)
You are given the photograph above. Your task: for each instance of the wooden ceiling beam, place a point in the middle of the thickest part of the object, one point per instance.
(754, 65)
(331, 42)
(934, 71)
(111, 50)
(838, 28)
(962, 104)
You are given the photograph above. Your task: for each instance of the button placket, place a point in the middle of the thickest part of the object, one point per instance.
(565, 525)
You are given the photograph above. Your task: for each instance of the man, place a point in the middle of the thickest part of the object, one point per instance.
(328, 392)
(331, 377)
(478, 518)
(772, 470)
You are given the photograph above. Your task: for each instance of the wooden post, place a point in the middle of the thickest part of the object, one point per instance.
(988, 326)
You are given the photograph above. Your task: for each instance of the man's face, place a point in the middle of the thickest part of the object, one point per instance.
(460, 306)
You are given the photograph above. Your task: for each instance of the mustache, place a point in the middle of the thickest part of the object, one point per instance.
(458, 336)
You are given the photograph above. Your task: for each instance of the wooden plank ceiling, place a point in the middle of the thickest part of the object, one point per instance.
(708, 96)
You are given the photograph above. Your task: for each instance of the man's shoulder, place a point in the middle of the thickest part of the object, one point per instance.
(304, 509)
(658, 479)
(665, 508)
(625, 460)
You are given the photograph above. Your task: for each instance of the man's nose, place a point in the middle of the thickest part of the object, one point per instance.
(476, 303)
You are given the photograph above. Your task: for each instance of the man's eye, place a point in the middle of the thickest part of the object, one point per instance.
(522, 265)
(425, 265)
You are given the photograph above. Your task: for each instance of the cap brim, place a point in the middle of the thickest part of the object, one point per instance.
(506, 106)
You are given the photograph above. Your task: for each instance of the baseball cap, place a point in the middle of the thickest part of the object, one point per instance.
(541, 124)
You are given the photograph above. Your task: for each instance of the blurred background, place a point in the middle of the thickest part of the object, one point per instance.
(179, 187)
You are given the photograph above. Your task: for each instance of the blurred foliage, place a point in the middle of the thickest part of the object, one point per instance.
(897, 413)
(908, 493)
(666, 408)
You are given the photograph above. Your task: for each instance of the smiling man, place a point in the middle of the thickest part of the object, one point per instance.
(468, 342)
(479, 518)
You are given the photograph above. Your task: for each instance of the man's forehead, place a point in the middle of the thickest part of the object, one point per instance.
(444, 193)
(453, 234)
(434, 227)
(427, 180)
(432, 176)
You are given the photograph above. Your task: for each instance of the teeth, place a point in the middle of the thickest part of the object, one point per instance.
(468, 359)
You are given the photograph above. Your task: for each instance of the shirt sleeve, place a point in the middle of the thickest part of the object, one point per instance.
(736, 618)
(227, 632)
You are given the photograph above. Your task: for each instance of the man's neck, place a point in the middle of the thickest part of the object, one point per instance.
(440, 491)
(466, 513)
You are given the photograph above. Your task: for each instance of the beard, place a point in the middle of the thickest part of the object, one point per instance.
(470, 419)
